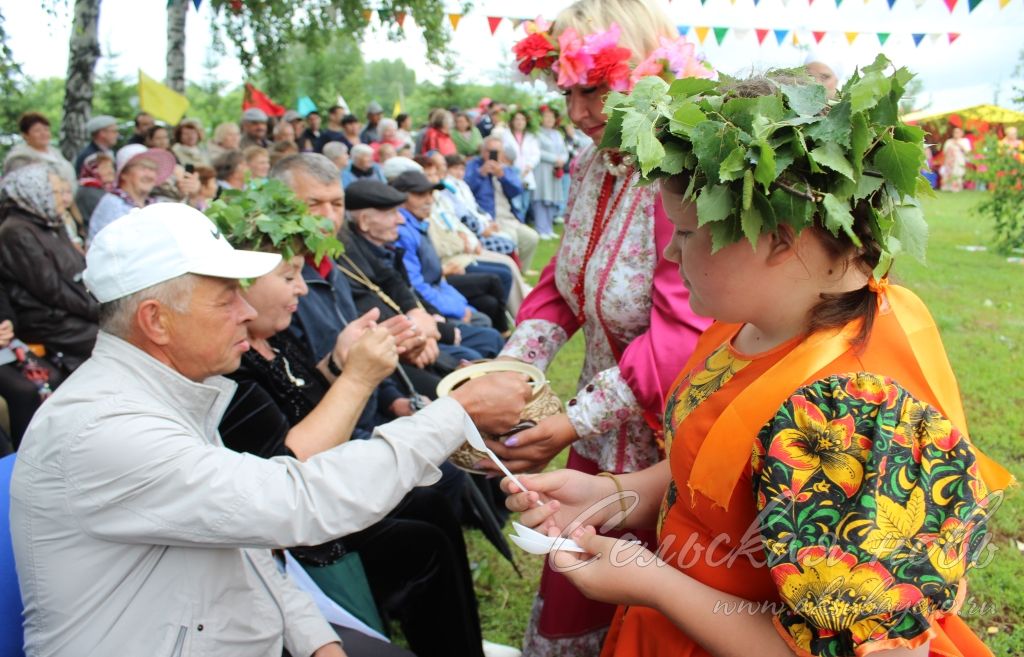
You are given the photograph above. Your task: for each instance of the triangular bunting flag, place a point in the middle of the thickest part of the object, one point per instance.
(838, 2)
(780, 35)
(702, 33)
(971, 4)
(720, 33)
(918, 37)
(851, 37)
(740, 33)
(703, 2)
(934, 37)
(683, 29)
(761, 34)
(796, 41)
(891, 3)
(818, 36)
(882, 38)
(953, 36)
(1003, 3)
(810, 2)
(454, 20)
(493, 22)
(756, 2)
(950, 4)
(400, 18)
(920, 3)
(368, 15)
(197, 3)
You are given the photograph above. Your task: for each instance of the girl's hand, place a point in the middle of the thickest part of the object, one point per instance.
(571, 499)
(613, 570)
(531, 450)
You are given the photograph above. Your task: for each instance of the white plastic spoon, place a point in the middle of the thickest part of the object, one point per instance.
(474, 438)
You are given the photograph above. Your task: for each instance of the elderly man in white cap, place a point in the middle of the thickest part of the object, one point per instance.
(103, 137)
(254, 128)
(135, 531)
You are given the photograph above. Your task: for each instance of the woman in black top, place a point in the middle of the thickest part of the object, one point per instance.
(288, 405)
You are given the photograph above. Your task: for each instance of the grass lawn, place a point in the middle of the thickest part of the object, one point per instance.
(977, 299)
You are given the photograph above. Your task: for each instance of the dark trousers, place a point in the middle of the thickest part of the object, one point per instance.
(416, 563)
(503, 273)
(484, 292)
(22, 398)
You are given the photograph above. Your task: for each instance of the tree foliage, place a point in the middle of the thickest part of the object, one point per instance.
(262, 30)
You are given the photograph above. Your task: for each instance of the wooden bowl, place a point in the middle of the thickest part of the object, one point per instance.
(543, 403)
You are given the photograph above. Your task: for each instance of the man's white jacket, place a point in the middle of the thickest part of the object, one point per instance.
(136, 532)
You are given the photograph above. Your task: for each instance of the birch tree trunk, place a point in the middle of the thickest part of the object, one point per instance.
(176, 12)
(83, 53)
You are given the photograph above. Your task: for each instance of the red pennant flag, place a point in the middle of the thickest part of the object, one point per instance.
(761, 34)
(953, 36)
(494, 22)
(400, 18)
(818, 36)
(256, 98)
(950, 4)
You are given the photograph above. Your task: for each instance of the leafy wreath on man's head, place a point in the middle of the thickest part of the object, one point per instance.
(782, 153)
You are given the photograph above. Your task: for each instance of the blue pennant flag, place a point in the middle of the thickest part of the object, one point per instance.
(780, 35)
(917, 39)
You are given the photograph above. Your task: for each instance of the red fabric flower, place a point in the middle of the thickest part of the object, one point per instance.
(611, 65)
(533, 52)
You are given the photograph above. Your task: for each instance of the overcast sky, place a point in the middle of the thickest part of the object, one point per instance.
(972, 70)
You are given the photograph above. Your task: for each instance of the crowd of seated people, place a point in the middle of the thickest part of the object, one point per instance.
(433, 266)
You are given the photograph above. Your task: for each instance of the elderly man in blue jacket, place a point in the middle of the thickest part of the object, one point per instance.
(495, 182)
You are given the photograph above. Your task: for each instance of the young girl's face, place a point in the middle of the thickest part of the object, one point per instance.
(726, 285)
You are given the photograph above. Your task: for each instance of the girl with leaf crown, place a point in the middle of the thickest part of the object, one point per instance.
(608, 279)
(821, 495)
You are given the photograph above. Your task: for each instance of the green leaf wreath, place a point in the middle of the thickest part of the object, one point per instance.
(268, 217)
(789, 156)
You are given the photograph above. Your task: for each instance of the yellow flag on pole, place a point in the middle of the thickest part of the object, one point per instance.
(160, 100)
(397, 108)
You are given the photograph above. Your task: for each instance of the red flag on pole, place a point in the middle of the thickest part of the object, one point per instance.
(256, 98)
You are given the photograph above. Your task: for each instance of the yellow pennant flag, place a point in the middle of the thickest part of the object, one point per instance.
(1003, 3)
(454, 20)
(851, 37)
(702, 33)
(160, 100)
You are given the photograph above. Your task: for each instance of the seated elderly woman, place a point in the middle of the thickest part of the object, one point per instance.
(188, 146)
(139, 171)
(388, 129)
(361, 166)
(41, 268)
(226, 137)
(288, 405)
(94, 180)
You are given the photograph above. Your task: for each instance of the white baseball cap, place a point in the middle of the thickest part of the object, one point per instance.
(162, 241)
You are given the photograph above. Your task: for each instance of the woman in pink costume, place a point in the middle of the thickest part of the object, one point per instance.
(608, 279)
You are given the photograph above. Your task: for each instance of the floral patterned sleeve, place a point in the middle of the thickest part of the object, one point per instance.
(603, 404)
(872, 510)
(535, 341)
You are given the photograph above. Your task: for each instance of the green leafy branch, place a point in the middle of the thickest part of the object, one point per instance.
(782, 154)
(268, 217)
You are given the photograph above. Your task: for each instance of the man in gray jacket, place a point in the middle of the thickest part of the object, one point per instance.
(135, 531)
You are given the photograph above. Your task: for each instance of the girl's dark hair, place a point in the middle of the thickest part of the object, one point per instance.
(151, 132)
(837, 310)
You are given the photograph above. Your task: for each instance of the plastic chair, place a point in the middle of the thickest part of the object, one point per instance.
(12, 638)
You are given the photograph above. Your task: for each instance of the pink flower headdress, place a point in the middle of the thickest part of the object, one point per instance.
(598, 58)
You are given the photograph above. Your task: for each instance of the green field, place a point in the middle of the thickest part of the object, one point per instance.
(978, 302)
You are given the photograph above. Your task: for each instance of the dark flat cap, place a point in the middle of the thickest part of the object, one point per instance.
(415, 182)
(365, 193)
